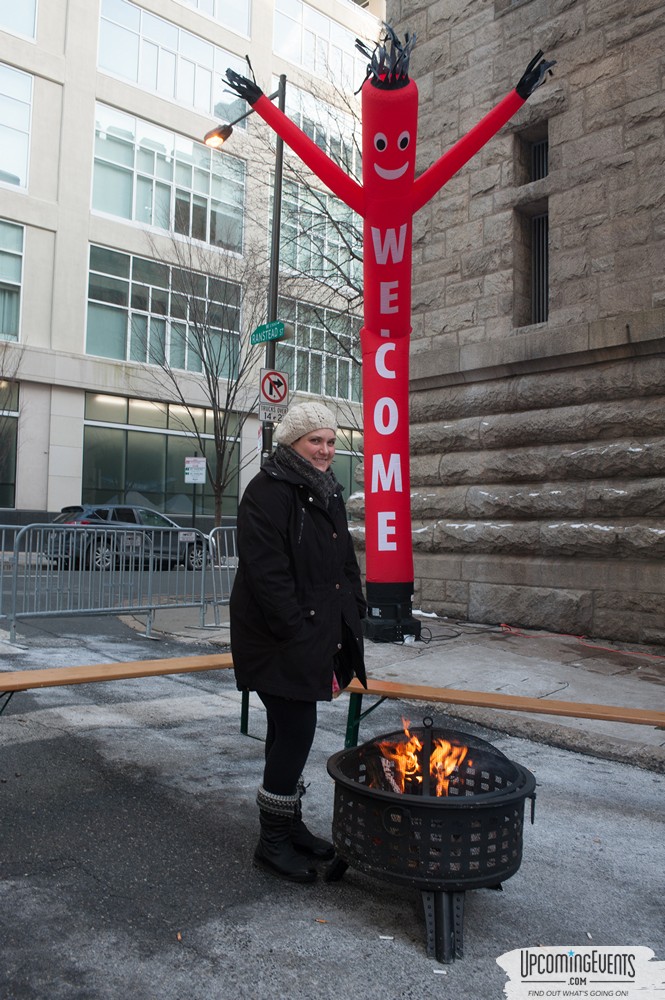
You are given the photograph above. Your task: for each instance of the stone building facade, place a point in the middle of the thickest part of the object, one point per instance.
(538, 349)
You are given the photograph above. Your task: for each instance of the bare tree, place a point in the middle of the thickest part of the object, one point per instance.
(204, 360)
(321, 241)
(330, 117)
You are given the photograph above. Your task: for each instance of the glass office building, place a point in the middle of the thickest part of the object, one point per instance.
(105, 188)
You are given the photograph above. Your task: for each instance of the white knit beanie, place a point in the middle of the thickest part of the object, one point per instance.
(302, 419)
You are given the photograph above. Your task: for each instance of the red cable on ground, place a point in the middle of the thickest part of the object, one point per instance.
(509, 629)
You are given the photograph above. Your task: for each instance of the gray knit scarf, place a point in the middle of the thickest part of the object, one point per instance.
(323, 484)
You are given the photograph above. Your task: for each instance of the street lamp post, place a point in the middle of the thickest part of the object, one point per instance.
(215, 139)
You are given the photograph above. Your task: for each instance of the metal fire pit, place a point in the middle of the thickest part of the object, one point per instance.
(470, 838)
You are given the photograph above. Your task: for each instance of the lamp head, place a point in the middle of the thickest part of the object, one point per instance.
(218, 136)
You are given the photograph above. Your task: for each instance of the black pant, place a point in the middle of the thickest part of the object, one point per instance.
(289, 738)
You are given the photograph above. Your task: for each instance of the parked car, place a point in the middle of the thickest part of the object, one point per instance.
(131, 534)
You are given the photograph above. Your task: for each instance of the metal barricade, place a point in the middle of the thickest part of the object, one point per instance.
(7, 536)
(223, 565)
(64, 569)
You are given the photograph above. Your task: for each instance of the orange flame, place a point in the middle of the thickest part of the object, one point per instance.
(404, 756)
(444, 760)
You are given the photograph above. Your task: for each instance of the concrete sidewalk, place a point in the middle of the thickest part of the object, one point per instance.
(519, 662)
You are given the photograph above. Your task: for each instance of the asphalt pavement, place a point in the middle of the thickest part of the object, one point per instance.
(127, 824)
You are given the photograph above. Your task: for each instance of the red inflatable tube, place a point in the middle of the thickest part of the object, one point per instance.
(387, 200)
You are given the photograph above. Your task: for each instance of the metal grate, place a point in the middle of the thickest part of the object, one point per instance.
(540, 268)
(539, 160)
(424, 846)
(468, 840)
(442, 845)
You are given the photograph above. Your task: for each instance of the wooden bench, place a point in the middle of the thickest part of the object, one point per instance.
(483, 699)
(23, 680)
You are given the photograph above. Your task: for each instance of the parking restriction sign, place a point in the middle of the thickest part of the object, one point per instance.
(273, 394)
(195, 470)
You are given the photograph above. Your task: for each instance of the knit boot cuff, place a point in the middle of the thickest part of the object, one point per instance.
(278, 805)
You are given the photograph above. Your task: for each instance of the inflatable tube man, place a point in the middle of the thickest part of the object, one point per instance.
(387, 199)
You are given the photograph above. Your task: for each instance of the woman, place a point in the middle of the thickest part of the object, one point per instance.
(295, 610)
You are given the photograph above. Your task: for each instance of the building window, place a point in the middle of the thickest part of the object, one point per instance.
(11, 269)
(539, 165)
(531, 270)
(307, 38)
(19, 18)
(322, 357)
(327, 126)
(233, 14)
(317, 234)
(531, 298)
(539, 268)
(532, 154)
(163, 58)
(348, 455)
(9, 392)
(142, 310)
(134, 452)
(158, 178)
(15, 114)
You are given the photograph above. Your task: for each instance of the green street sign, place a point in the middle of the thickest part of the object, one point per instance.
(266, 332)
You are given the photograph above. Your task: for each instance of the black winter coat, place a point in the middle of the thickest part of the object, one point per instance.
(297, 599)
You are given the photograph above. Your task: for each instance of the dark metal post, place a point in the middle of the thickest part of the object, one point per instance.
(273, 283)
(194, 498)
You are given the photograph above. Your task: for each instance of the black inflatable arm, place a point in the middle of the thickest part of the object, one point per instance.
(534, 75)
(243, 86)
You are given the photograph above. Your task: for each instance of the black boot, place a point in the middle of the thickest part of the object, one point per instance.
(275, 851)
(302, 839)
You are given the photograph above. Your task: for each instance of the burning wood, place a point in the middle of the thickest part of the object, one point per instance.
(402, 763)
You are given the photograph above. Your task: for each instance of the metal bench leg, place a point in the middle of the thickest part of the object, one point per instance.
(355, 717)
(7, 695)
(353, 720)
